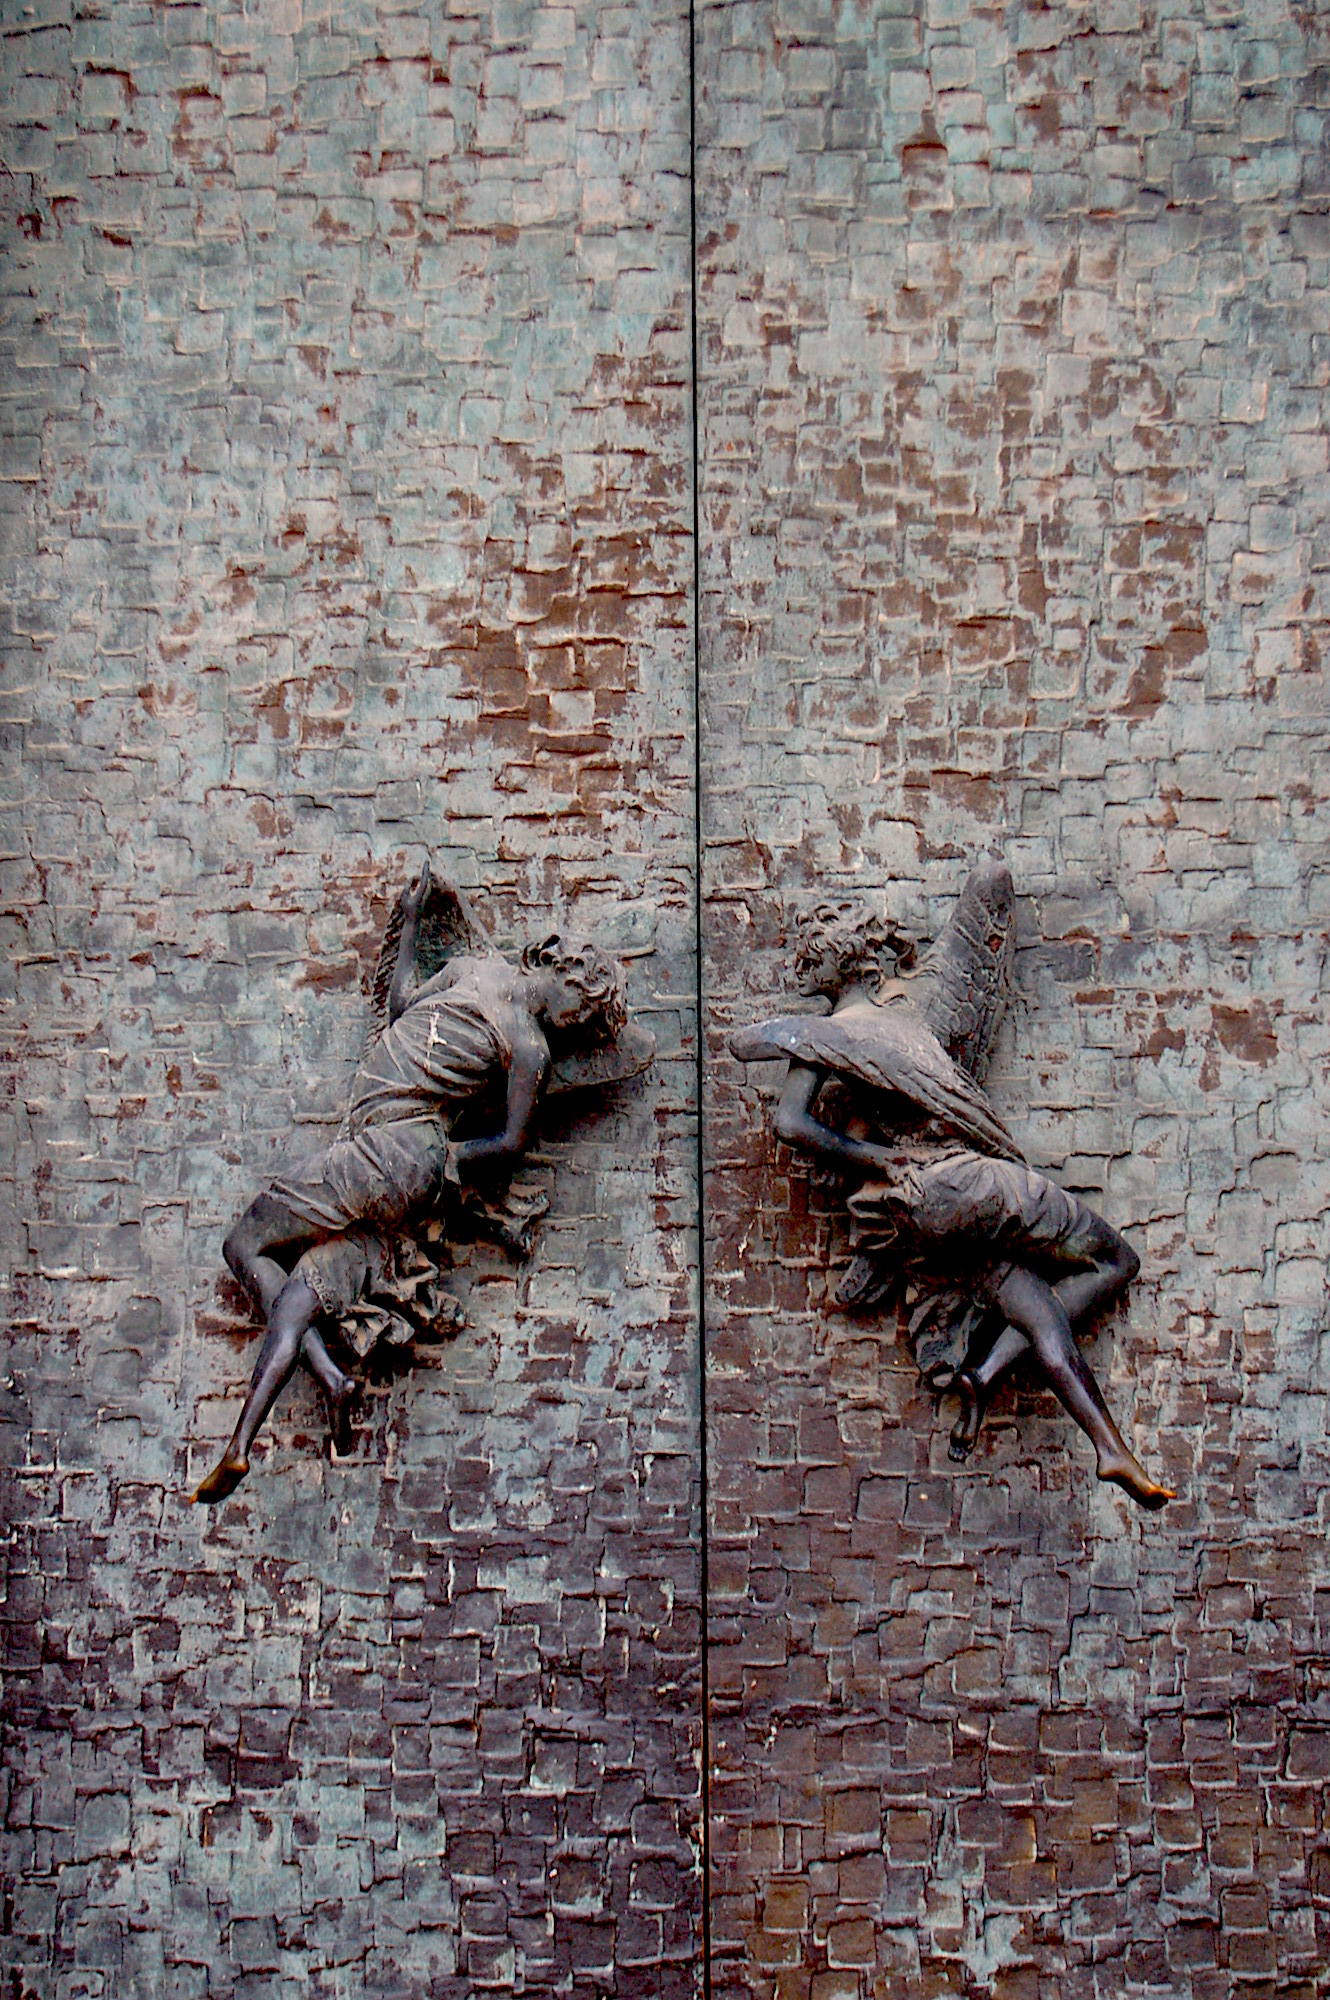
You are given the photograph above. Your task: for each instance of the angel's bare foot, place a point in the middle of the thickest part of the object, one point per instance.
(1128, 1473)
(855, 1282)
(516, 1239)
(224, 1478)
(965, 1430)
(340, 1402)
(866, 1283)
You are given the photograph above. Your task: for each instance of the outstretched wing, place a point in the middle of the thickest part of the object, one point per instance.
(889, 1049)
(960, 990)
(447, 929)
(632, 1050)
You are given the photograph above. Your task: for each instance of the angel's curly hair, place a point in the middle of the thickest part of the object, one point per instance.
(599, 978)
(854, 936)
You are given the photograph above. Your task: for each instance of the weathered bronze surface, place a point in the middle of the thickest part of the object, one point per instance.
(1008, 1263)
(461, 1049)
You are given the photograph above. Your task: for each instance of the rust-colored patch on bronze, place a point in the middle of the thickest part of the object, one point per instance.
(1246, 1032)
(330, 975)
(1148, 688)
(1162, 1039)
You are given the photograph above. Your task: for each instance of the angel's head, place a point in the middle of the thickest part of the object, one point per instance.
(838, 943)
(579, 985)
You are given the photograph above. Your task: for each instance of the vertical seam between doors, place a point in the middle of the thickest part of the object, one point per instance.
(700, 1031)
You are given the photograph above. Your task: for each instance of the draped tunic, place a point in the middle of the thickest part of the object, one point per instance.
(385, 1168)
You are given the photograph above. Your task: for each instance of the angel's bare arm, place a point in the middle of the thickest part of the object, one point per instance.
(526, 1074)
(797, 1126)
(404, 989)
(442, 980)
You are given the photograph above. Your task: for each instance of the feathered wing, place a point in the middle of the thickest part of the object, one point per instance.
(960, 990)
(631, 1051)
(447, 929)
(890, 1049)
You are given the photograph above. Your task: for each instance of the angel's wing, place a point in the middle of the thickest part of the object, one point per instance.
(632, 1050)
(961, 987)
(447, 929)
(889, 1049)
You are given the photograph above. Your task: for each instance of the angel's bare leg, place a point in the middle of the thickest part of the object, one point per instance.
(339, 1389)
(1034, 1309)
(1080, 1294)
(290, 1339)
(266, 1226)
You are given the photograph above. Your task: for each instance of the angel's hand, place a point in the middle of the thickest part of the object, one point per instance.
(413, 896)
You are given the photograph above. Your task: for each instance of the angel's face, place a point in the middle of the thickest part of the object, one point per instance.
(563, 1004)
(817, 968)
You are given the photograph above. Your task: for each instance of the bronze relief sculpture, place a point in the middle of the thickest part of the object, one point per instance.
(1007, 1263)
(462, 1048)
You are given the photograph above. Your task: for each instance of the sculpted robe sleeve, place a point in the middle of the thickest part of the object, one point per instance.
(387, 1163)
(887, 1048)
(436, 1055)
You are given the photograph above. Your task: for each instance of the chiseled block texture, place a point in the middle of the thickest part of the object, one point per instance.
(346, 509)
(1015, 524)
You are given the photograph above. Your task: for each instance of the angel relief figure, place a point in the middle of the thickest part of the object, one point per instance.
(461, 1049)
(1006, 1263)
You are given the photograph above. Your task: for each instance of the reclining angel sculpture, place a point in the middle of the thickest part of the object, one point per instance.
(1008, 1263)
(462, 1048)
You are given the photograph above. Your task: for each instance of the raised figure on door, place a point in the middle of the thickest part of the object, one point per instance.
(1008, 1263)
(463, 1045)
